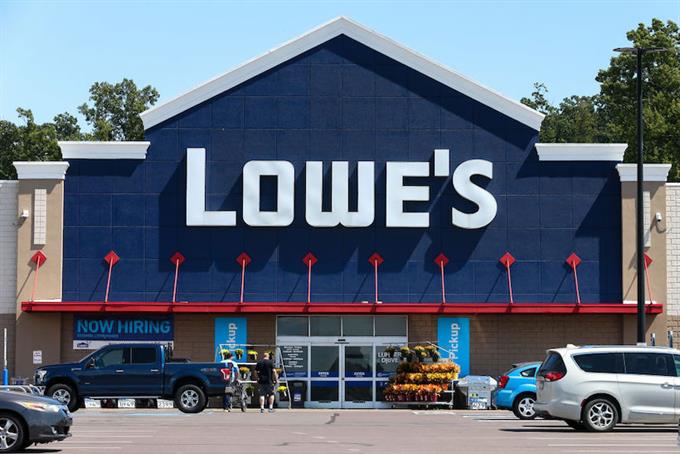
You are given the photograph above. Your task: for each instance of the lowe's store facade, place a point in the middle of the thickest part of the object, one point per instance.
(335, 196)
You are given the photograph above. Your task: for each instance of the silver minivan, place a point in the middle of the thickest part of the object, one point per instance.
(596, 387)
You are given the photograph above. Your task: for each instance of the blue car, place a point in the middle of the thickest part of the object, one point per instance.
(517, 390)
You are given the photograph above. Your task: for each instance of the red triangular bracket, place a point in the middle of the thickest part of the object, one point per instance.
(177, 259)
(243, 259)
(39, 258)
(507, 260)
(111, 258)
(309, 259)
(573, 260)
(441, 259)
(648, 260)
(375, 259)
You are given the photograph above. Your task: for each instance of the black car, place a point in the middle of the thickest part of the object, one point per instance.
(26, 419)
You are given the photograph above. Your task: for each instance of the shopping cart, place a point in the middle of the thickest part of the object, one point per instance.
(237, 392)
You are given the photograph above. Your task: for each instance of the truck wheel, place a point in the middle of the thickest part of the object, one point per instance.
(190, 399)
(64, 394)
(600, 415)
(12, 433)
(523, 406)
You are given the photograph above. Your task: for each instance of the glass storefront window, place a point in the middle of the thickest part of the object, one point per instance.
(379, 390)
(360, 325)
(325, 361)
(325, 391)
(386, 363)
(358, 361)
(324, 326)
(358, 391)
(294, 360)
(387, 325)
(291, 326)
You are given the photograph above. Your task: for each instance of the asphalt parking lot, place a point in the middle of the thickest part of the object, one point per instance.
(344, 431)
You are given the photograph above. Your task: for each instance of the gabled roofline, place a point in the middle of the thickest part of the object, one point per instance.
(322, 34)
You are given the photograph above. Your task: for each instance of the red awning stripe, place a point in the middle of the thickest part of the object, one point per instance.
(335, 308)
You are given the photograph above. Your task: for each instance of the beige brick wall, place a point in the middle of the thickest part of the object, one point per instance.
(497, 341)
(8, 246)
(672, 224)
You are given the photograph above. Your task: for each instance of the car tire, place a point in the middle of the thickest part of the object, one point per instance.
(600, 415)
(576, 425)
(65, 394)
(190, 399)
(12, 433)
(523, 406)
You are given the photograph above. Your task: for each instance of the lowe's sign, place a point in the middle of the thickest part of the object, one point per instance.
(123, 328)
(397, 193)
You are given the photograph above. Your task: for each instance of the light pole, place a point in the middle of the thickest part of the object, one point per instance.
(639, 52)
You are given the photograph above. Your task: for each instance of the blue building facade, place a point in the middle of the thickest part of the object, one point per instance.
(342, 101)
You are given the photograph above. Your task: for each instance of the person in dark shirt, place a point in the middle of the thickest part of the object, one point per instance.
(266, 379)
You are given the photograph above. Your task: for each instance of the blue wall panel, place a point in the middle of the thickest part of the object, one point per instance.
(342, 101)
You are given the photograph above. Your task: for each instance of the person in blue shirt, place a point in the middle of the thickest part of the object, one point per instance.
(231, 364)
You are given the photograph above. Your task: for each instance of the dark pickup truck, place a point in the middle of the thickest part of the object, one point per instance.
(134, 371)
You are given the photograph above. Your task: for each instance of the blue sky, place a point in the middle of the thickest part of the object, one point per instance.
(52, 51)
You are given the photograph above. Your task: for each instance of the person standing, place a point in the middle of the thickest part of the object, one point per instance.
(233, 377)
(266, 379)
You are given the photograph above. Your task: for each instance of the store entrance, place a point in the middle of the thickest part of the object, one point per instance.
(343, 371)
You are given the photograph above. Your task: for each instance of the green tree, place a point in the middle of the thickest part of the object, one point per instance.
(67, 127)
(661, 85)
(115, 109)
(575, 119)
(610, 115)
(114, 115)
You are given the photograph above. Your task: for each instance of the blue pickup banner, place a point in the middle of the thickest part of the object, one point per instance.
(231, 332)
(453, 337)
(123, 328)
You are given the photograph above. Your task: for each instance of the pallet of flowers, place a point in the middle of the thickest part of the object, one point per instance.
(418, 381)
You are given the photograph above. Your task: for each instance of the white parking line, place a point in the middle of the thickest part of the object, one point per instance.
(615, 450)
(94, 447)
(71, 440)
(93, 435)
(607, 445)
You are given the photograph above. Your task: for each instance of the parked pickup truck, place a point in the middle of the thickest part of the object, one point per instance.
(134, 371)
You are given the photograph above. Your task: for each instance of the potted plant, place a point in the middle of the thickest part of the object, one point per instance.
(239, 353)
(420, 352)
(252, 355)
(245, 372)
(225, 353)
(271, 354)
(283, 392)
(390, 350)
(405, 352)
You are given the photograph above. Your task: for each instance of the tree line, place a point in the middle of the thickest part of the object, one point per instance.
(608, 116)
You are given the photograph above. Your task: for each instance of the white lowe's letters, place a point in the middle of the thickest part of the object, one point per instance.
(340, 213)
(397, 193)
(196, 213)
(472, 192)
(284, 172)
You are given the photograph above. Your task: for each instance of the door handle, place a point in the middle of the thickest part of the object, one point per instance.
(119, 371)
(667, 386)
(153, 370)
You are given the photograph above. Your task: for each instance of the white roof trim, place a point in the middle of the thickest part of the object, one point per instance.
(322, 34)
(581, 151)
(40, 170)
(103, 150)
(651, 172)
